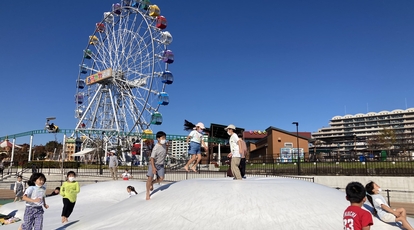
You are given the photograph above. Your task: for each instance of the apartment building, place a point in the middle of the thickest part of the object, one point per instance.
(351, 133)
(178, 149)
(70, 147)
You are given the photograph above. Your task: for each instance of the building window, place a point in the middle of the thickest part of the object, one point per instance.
(288, 145)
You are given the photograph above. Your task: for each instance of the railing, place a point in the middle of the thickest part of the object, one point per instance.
(395, 197)
(172, 172)
(391, 166)
(260, 167)
(108, 132)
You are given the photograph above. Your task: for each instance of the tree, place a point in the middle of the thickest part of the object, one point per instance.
(387, 139)
(52, 147)
(39, 152)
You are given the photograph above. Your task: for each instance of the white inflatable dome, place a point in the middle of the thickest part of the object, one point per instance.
(254, 203)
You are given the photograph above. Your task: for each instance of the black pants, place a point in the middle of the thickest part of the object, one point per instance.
(242, 167)
(67, 207)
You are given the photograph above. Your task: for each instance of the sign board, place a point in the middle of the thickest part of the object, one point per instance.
(99, 76)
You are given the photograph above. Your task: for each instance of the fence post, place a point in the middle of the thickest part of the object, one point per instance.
(366, 166)
(388, 196)
(131, 167)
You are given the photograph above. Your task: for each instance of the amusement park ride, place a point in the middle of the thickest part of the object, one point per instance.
(123, 76)
(122, 80)
(51, 127)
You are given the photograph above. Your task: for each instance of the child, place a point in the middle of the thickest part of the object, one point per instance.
(55, 192)
(126, 175)
(18, 189)
(131, 191)
(196, 137)
(355, 217)
(113, 165)
(69, 192)
(35, 199)
(381, 208)
(156, 166)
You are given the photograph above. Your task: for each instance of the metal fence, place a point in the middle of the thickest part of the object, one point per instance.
(172, 173)
(395, 199)
(396, 166)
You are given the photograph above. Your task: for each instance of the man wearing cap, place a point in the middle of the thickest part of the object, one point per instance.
(113, 165)
(196, 137)
(235, 146)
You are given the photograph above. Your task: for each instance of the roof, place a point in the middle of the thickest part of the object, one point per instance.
(253, 135)
(303, 135)
(83, 152)
(218, 131)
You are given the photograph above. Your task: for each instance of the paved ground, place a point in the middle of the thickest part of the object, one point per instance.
(408, 206)
(9, 194)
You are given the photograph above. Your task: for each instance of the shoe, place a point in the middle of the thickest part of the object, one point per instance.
(244, 177)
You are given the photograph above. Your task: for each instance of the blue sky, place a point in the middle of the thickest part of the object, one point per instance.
(251, 63)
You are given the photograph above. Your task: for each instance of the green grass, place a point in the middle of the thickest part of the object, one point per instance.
(5, 201)
(342, 165)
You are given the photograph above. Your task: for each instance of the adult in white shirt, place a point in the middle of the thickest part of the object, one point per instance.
(235, 146)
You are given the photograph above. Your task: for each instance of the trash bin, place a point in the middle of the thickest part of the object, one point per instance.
(362, 158)
(383, 155)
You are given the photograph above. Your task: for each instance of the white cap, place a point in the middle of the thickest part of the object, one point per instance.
(230, 127)
(199, 124)
(112, 151)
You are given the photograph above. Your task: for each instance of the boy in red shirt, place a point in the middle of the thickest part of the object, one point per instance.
(356, 218)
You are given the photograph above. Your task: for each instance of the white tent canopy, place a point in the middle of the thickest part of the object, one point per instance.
(83, 152)
(7, 143)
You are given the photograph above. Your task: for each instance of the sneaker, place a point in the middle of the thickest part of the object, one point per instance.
(244, 177)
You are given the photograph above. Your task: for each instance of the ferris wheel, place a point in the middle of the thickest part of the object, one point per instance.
(124, 72)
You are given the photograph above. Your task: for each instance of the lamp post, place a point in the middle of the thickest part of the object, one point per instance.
(297, 143)
(100, 154)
